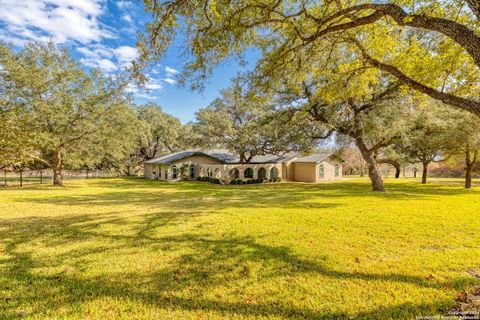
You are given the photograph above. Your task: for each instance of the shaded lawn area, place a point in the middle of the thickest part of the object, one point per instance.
(140, 249)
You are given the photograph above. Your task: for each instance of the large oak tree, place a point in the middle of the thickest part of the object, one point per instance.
(71, 117)
(416, 42)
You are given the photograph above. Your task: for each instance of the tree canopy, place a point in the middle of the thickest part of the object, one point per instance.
(62, 114)
(431, 46)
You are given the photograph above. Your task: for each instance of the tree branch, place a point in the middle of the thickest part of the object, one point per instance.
(462, 103)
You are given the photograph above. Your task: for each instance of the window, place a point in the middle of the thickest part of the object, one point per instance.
(337, 170)
(192, 171)
(261, 173)
(233, 173)
(154, 172)
(209, 173)
(166, 173)
(248, 173)
(273, 173)
(321, 171)
(175, 172)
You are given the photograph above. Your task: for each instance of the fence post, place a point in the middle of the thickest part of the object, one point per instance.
(41, 176)
(5, 176)
(21, 178)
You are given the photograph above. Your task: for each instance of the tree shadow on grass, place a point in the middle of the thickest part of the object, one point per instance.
(201, 263)
(229, 262)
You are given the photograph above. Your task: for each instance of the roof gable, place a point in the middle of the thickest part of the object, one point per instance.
(318, 157)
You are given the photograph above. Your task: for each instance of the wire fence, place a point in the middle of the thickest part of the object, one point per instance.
(30, 177)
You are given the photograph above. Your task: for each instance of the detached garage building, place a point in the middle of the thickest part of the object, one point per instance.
(317, 167)
(220, 164)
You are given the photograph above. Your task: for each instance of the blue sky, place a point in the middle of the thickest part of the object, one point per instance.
(102, 34)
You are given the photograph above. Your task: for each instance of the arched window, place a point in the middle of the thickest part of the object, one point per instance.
(248, 173)
(209, 173)
(217, 174)
(166, 173)
(192, 171)
(321, 171)
(273, 172)
(233, 173)
(174, 172)
(262, 173)
(337, 170)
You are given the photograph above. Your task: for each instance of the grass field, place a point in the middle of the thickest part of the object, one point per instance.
(138, 249)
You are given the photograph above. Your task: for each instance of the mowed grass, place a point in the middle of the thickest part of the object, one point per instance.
(139, 249)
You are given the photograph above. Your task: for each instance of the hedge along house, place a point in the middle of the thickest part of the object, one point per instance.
(219, 164)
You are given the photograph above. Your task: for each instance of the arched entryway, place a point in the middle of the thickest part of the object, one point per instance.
(248, 173)
(262, 173)
(274, 173)
(234, 173)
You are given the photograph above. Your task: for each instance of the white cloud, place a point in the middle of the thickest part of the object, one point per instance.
(149, 91)
(103, 64)
(124, 4)
(153, 84)
(107, 59)
(170, 81)
(127, 18)
(171, 71)
(58, 20)
(106, 65)
(125, 54)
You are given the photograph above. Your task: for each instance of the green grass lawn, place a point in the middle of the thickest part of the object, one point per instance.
(138, 249)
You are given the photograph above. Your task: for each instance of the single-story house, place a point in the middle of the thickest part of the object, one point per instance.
(220, 164)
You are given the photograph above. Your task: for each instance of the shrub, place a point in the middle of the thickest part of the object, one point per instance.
(270, 180)
(199, 178)
(233, 181)
(278, 179)
(244, 182)
(205, 179)
(215, 181)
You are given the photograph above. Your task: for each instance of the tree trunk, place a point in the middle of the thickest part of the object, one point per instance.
(397, 172)
(415, 172)
(425, 171)
(377, 182)
(468, 177)
(57, 168)
(393, 163)
(470, 163)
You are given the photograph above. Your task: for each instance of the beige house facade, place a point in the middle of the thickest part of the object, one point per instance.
(219, 164)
